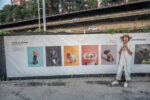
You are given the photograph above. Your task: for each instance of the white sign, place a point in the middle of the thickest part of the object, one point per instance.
(50, 55)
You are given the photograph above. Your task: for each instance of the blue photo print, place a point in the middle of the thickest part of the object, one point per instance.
(35, 56)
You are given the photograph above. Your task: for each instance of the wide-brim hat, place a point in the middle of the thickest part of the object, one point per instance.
(125, 35)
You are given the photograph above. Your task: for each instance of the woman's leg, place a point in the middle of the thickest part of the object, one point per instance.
(127, 73)
(119, 73)
(127, 76)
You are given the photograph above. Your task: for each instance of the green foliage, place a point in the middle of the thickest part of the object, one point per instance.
(4, 32)
(52, 7)
(122, 30)
(111, 31)
(2, 17)
(146, 28)
(59, 30)
(38, 30)
(146, 62)
(102, 76)
(29, 9)
(92, 3)
(105, 2)
(15, 12)
(77, 5)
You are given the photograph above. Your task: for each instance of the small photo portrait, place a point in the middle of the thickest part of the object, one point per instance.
(35, 56)
(71, 55)
(108, 54)
(90, 55)
(142, 54)
(53, 56)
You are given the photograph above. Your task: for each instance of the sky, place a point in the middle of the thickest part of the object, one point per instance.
(4, 2)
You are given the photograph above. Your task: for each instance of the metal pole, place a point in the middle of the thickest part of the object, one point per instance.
(39, 15)
(44, 16)
(11, 2)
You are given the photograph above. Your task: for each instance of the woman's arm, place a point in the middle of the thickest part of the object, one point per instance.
(129, 51)
(120, 51)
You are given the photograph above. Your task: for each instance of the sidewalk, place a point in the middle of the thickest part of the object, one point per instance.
(92, 88)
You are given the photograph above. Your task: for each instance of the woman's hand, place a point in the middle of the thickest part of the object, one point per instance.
(129, 51)
(125, 45)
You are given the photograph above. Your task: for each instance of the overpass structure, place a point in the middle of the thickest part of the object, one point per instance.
(131, 15)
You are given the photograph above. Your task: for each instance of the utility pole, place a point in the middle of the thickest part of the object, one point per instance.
(99, 3)
(60, 6)
(39, 16)
(44, 16)
(86, 4)
(11, 2)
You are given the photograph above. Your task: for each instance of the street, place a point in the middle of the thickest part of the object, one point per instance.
(85, 88)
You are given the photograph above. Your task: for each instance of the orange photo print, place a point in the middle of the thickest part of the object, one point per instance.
(90, 55)
(71, 55)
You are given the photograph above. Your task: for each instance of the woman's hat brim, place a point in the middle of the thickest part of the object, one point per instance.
(125, 36)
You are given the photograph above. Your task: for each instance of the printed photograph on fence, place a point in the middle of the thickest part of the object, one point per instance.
(71, 55)
(90, 55)
(53, 56)
(142, 54)
(35, 56)
(108, 54)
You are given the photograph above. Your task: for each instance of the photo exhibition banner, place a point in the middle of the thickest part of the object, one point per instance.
(51, 55)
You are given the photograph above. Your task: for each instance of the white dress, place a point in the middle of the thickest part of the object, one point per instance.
(125, 62)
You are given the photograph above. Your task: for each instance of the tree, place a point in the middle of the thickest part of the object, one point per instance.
(2, 16)
(92, 4)
(29, 9)
(106, 2)
(52, 7)
(8, 16)
(78, 5)
(17, 12)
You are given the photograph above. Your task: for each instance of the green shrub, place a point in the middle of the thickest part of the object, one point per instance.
(59, 30)
(122, 30)
(38, 30)
(146, 28)
(111, 31)
(4, 32)
(146, 62)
